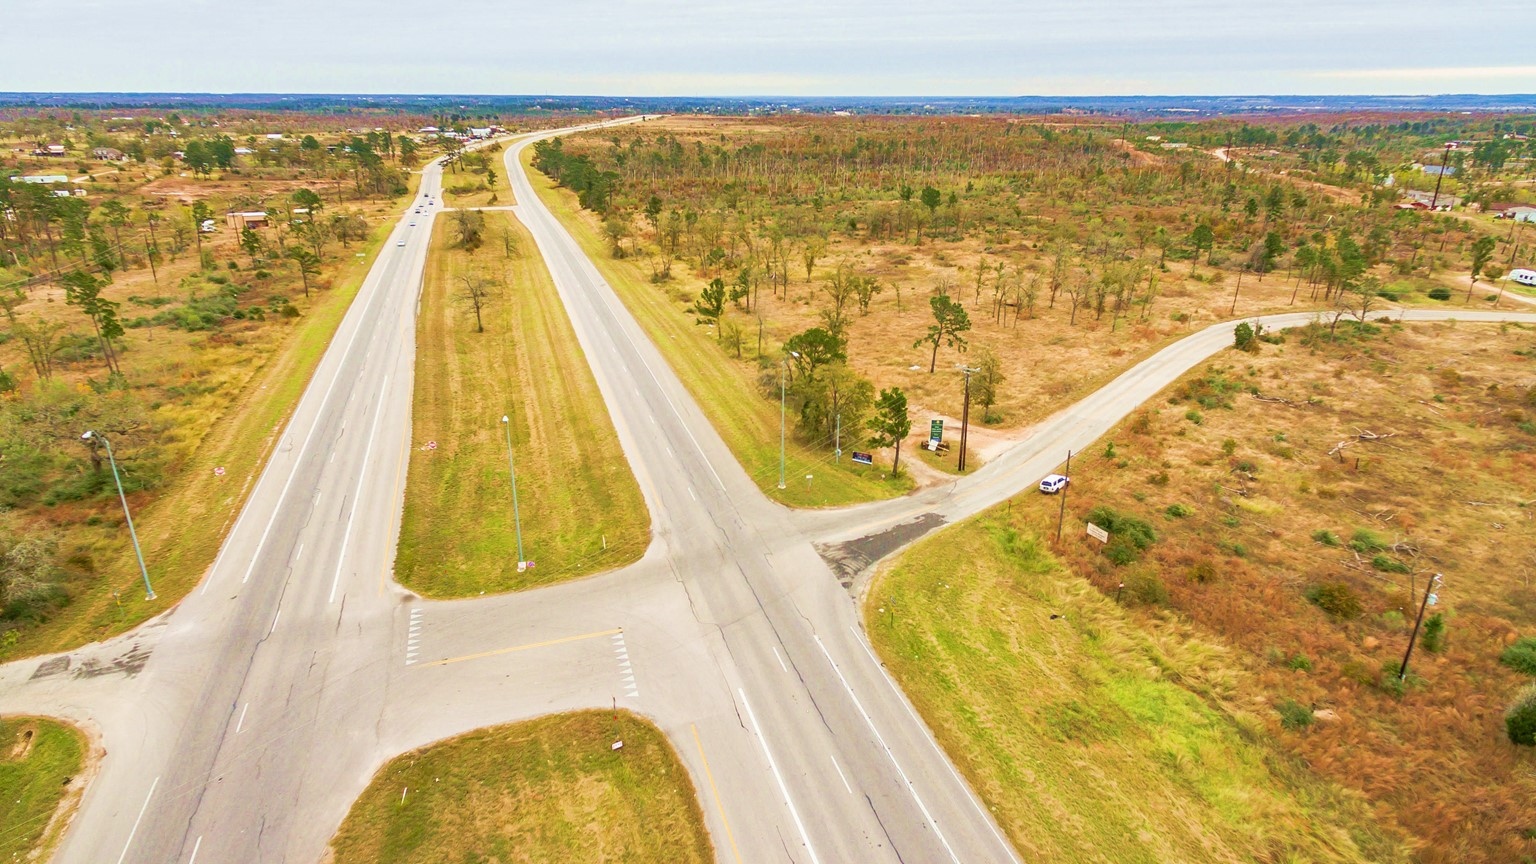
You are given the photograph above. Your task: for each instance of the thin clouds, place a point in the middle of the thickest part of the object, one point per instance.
(769, 47)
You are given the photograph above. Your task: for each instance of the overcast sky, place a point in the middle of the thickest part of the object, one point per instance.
(771, 47)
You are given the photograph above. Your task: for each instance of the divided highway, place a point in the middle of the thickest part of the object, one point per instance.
(240, 726)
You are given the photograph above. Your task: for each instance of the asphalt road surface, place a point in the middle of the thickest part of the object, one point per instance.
(241, 726)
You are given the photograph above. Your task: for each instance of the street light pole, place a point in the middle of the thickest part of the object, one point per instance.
(517, 520)
(149, 591)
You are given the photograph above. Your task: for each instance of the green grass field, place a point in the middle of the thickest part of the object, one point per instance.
(38, 759)
(725, 389)
(1072, 723)
(580, 506)
(545, 790)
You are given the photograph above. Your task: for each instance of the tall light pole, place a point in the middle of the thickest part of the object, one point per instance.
(783, 367)
(965, 414)
(517, 520)
(149, 591)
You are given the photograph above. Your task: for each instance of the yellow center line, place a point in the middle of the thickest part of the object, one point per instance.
(709, 775)
(525, 647)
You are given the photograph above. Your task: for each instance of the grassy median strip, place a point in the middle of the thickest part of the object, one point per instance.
(580, 507)
(38, 760)
(550, 789)
(724, 389)
(1068, 721)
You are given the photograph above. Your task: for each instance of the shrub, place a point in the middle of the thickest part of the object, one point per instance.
(1388, 564)
(1128, 536)
(1434, 633)
(1145, 588)
(1325, 537)
(1521, 656)
(1520, 719)
(1244, 337)
(1203, 572)
(1229, 446)
(1294, 715)
(1300, 663)
(1335, 598)
(1161, 478)
(1392, 682)
(1367, 541)
(1179, 511)
(1194, 416)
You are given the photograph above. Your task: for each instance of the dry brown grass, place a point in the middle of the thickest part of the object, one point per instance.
(1449, 492)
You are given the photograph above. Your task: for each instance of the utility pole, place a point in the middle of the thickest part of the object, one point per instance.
(149, 591)
(1429, 596)
(837, 440)
(965, 414)
(517, 520)
(1061, 515)
(1445, 157)
(783, 367)
(1242, 268)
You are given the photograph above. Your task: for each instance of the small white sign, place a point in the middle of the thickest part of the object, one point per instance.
(1098, 533)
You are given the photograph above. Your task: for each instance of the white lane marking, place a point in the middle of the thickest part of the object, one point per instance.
(195, 846)
(333, 457)
(608, 299)
(889, 754)
(412, 636)
(136, 822)
(298, 554)
(691, 495)
(840, 774)
(241, 724)
(294, 472)
(976, 803)
(274, 621)
(362, 474)
(776, 775)
(778, 658)
(669, 451)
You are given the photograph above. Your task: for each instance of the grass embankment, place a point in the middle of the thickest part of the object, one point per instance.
(549, 789)
(726, 391)
(38, 759)
(182, 528)
(1069, 721)
(581, 509)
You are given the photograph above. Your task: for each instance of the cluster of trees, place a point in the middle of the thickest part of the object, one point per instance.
(593, 187)
(1073, 218)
